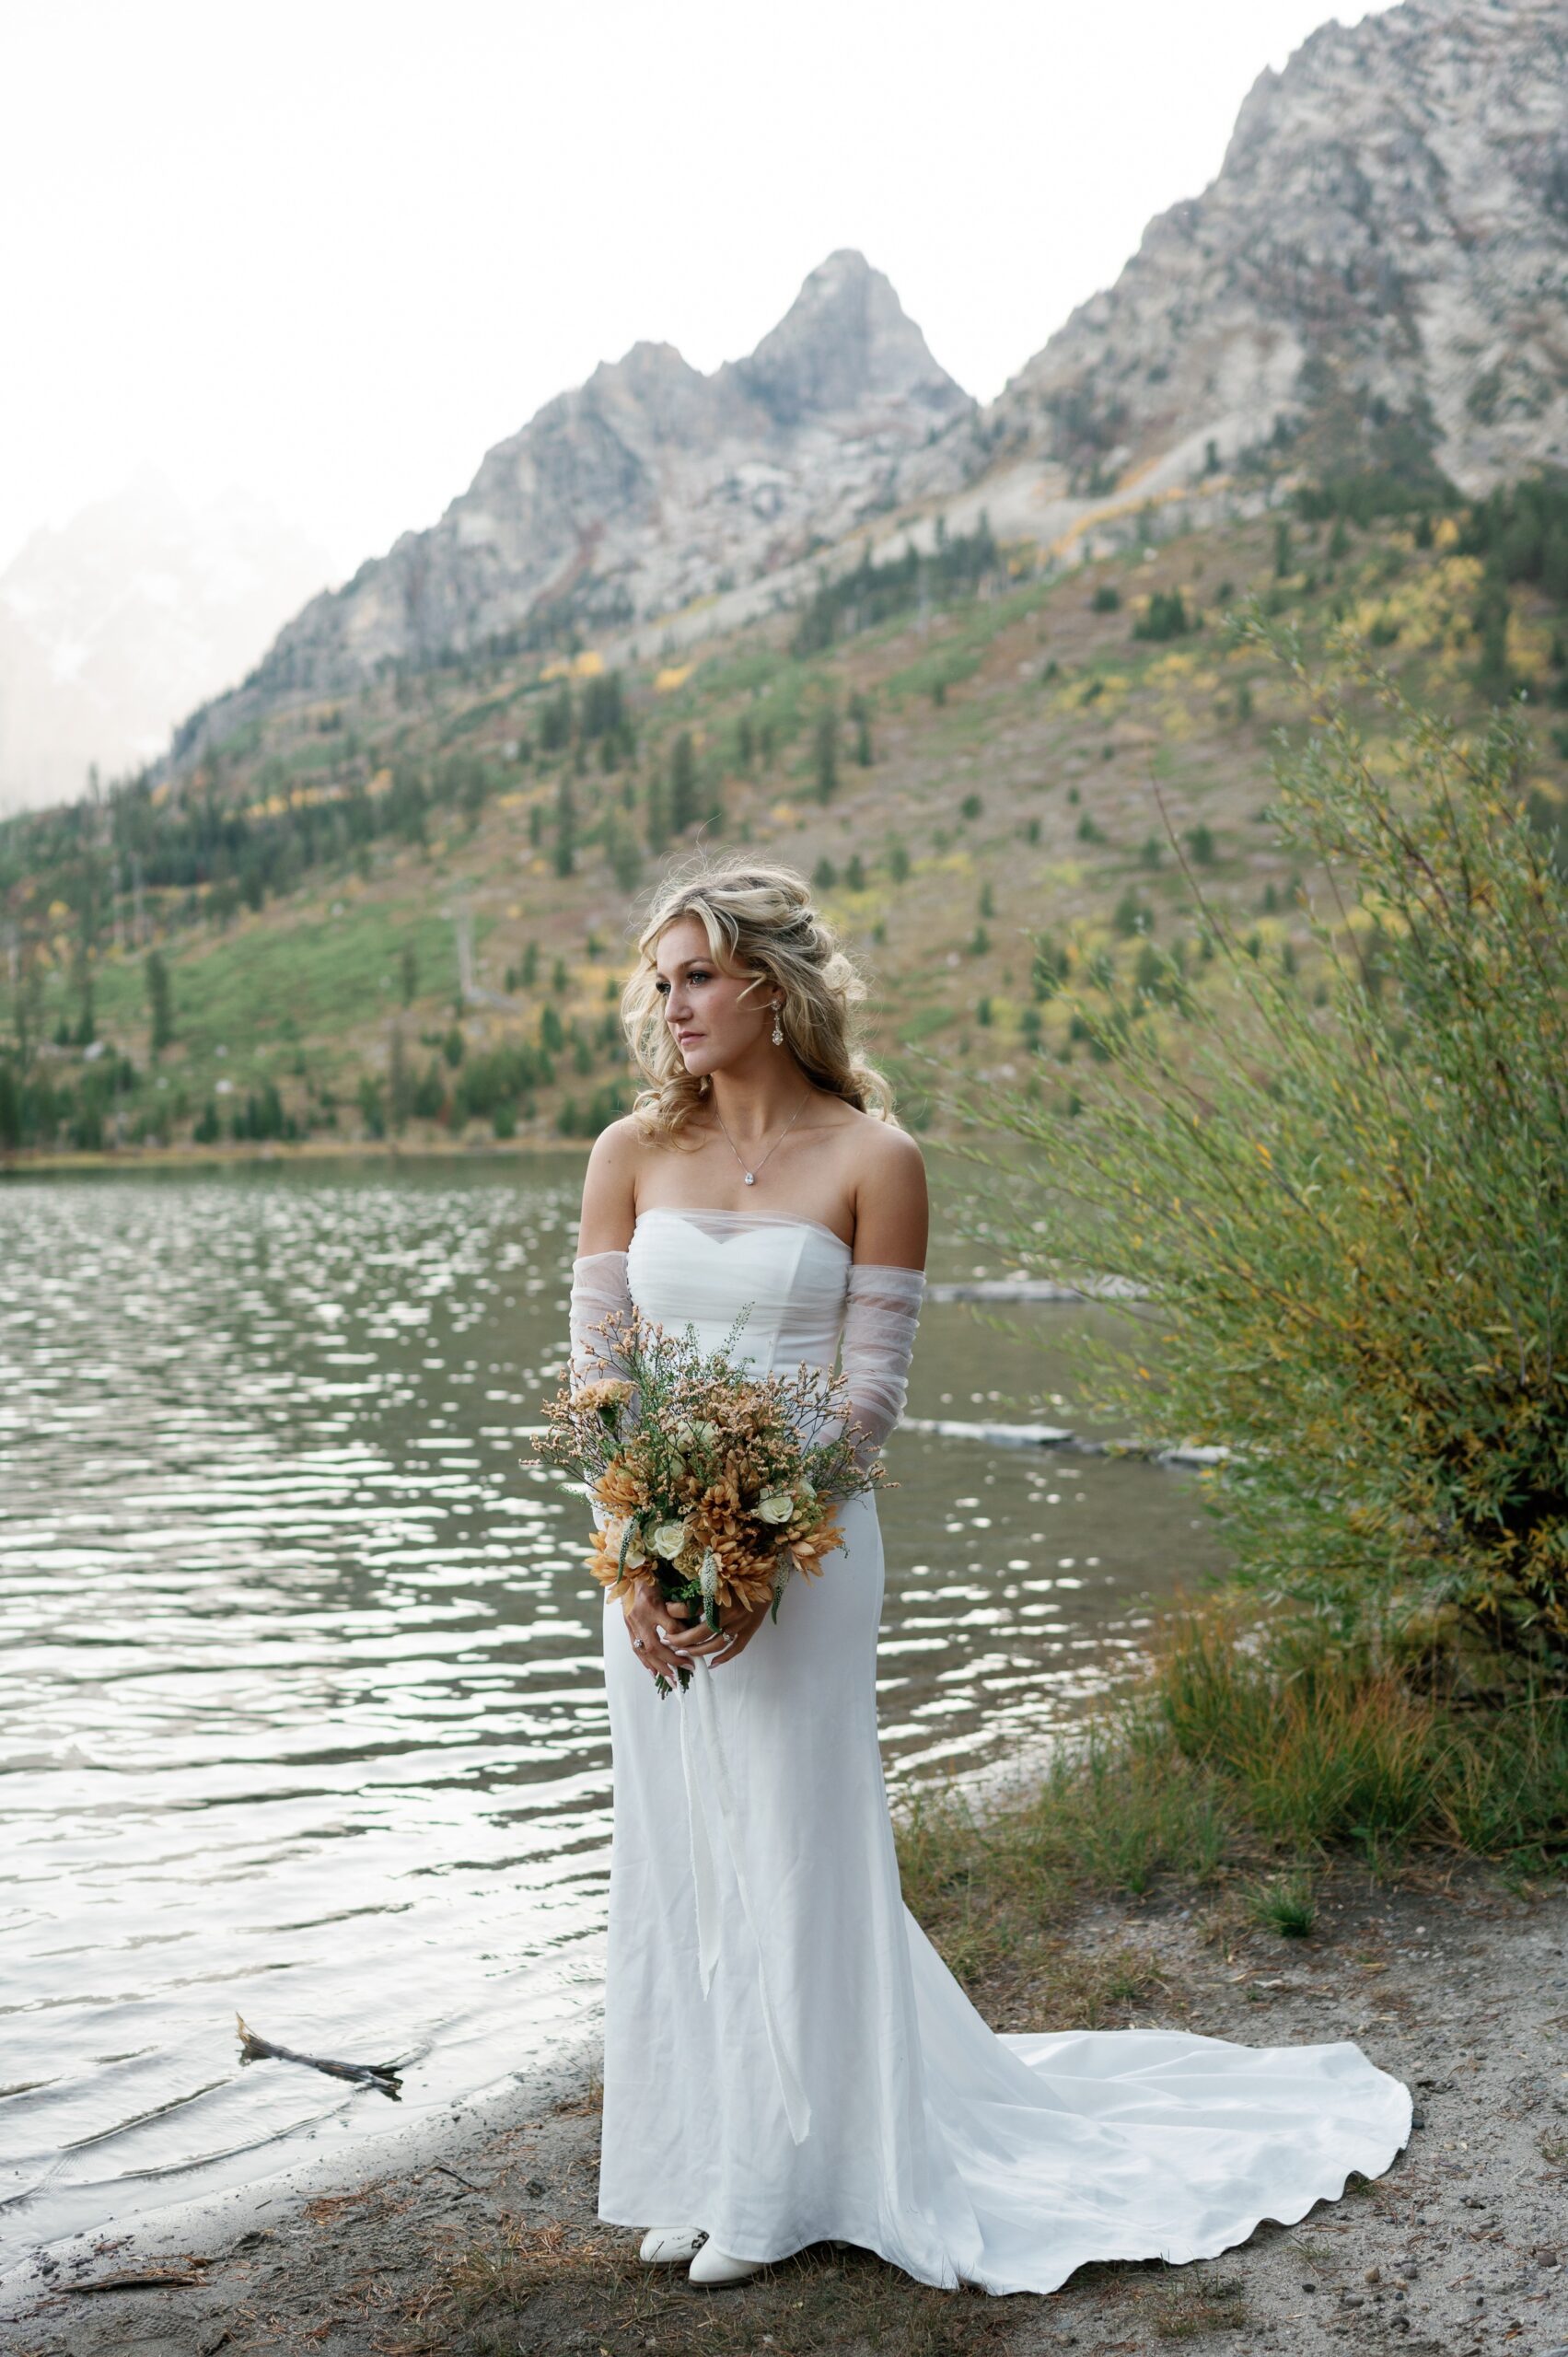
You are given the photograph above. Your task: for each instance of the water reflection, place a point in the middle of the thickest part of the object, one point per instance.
(305, 1706)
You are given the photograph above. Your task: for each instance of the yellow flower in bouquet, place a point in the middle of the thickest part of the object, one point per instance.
(715, 1484)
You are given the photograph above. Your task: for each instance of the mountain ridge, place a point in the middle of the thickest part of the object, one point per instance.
(1373, 285)
(632, 491)
(1373, 281)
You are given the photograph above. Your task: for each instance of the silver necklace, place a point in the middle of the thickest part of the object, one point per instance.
(751, 1175)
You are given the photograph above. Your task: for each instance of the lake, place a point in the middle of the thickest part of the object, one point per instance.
(304, 1692)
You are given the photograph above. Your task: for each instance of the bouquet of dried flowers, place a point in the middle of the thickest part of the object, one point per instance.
(717, 1482)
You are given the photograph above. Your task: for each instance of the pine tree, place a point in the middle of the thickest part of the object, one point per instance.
(159, 1001)
(565, 827)
(827, 754)
(399, 1086)
(1491, 674)
(683, 784)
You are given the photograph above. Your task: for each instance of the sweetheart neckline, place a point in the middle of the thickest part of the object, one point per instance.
(784, 1219)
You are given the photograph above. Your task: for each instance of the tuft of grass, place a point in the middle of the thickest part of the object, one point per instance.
(1318, 1746)
(992, 1885)
(1285, 1903)
(1194, 2303)
(1506, 1792)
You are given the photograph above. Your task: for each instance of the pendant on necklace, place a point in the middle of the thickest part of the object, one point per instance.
(750, 1179)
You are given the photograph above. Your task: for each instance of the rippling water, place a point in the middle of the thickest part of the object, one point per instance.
(304, 1700)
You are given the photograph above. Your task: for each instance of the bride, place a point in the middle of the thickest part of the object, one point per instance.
(787, 2060)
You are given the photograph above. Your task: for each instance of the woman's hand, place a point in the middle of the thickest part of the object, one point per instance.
(738, 1623)
(645, 1614)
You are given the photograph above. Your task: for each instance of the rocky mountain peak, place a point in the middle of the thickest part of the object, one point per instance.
(846, 343)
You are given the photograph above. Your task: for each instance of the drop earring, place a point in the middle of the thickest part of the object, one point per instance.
(778, 1029)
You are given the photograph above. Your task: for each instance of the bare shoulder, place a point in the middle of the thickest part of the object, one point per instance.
(609, 1188)
(892, 1209)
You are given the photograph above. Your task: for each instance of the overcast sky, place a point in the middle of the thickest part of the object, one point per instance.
(329, 252)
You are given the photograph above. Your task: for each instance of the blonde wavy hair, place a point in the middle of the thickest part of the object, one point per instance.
(758, 920)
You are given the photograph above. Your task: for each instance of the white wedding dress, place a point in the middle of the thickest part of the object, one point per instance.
(787, 2060)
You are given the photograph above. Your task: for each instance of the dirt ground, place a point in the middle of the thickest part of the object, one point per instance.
(1450, 1981)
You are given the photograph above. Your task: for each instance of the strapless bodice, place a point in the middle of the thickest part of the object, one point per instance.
(702, 1268)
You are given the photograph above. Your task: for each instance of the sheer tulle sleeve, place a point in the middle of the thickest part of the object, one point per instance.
(878, 1342)
(599, 1284)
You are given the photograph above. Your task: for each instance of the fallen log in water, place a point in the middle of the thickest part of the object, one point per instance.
(384, 2076)
(1001, 1435)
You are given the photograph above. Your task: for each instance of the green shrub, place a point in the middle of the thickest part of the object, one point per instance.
(1165, 616)
(1353, 1223)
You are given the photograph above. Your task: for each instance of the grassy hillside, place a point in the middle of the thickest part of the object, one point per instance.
(967, 754)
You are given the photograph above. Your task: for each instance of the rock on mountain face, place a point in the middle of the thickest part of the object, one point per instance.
(113, 625)
(1387, 240)
(647, 486)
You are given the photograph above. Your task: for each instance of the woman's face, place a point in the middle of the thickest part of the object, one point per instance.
(713, 1016)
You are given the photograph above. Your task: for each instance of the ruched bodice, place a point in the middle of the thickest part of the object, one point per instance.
(701, 1268)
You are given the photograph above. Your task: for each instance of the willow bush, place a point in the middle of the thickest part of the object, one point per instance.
(1338, 1178)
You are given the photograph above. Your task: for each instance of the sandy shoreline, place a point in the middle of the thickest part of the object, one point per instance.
(1451, 1982)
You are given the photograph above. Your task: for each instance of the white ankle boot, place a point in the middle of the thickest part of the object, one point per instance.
(712, 2266)
(669, 2245)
